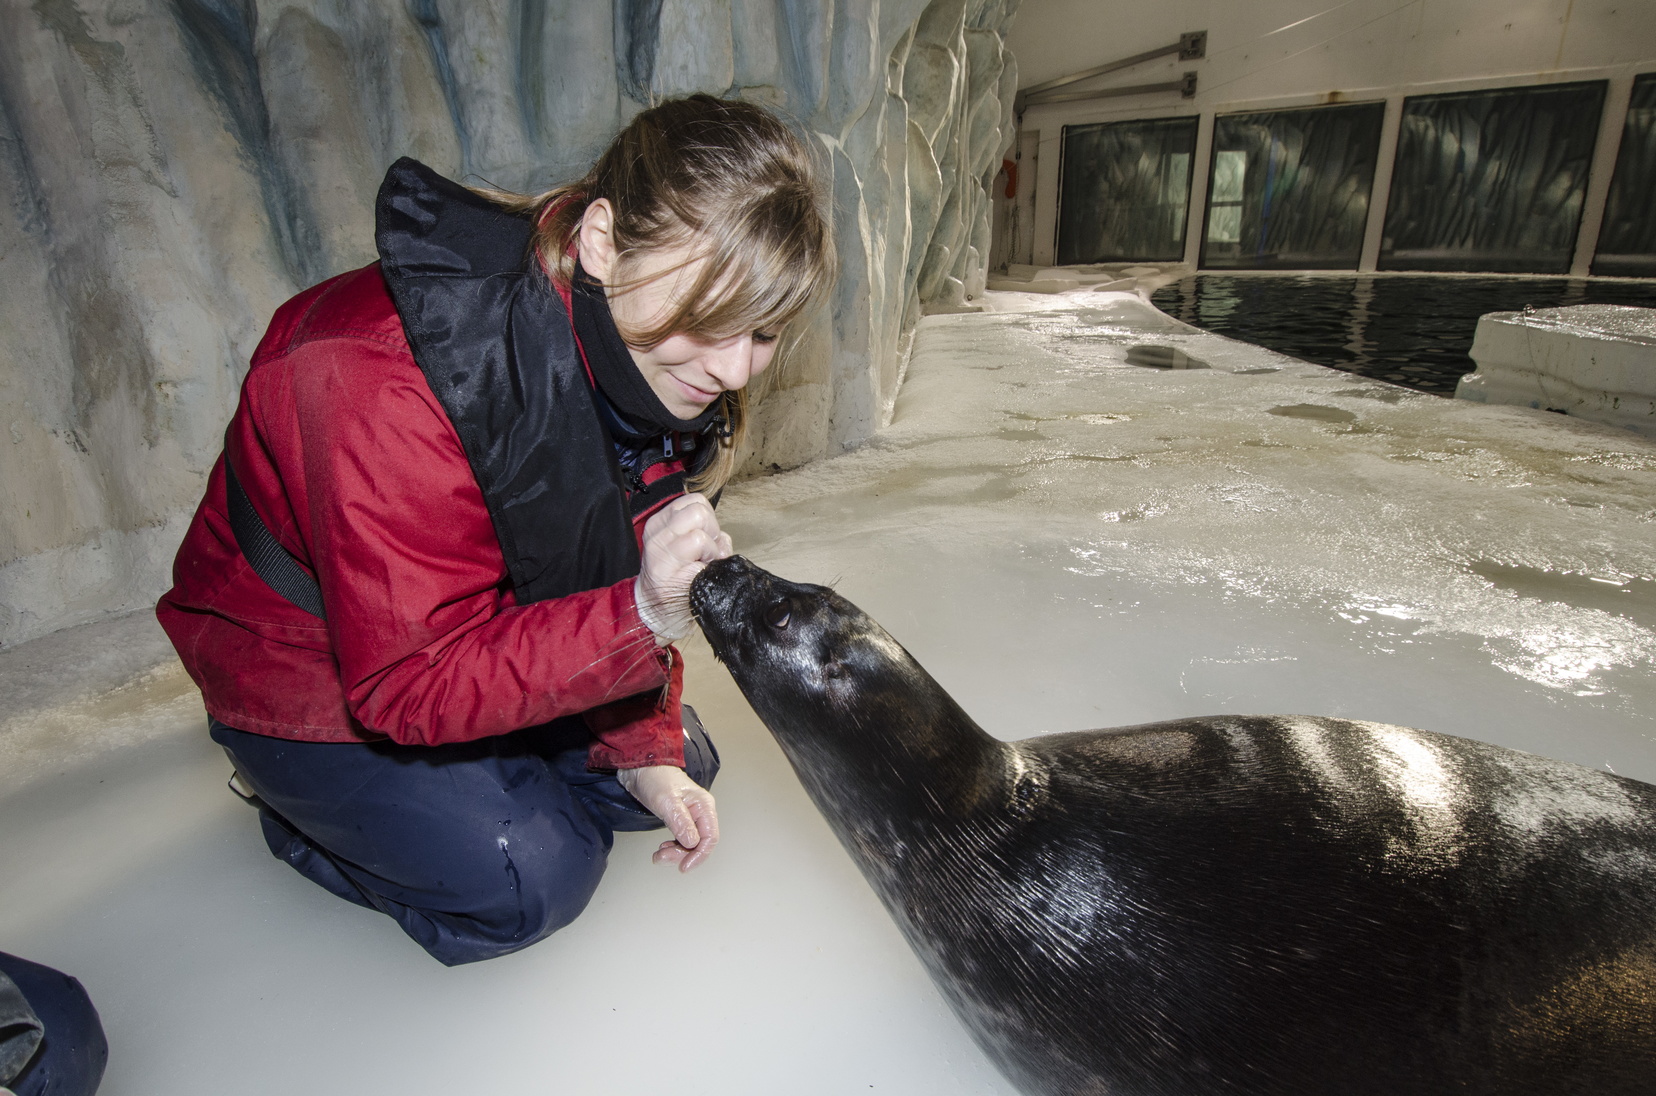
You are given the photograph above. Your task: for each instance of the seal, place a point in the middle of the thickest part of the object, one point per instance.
(1226, 904)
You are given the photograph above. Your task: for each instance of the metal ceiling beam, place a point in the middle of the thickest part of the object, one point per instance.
(1186, 87)
(1191, 46)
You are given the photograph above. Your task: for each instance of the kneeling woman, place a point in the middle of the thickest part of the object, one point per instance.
(430, 594)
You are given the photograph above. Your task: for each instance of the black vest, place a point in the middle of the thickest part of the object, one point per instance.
(495, 343)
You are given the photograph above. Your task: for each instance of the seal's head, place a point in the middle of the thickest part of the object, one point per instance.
(832, 685)
(804, 646)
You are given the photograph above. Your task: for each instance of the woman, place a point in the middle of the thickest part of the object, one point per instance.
(430, 595)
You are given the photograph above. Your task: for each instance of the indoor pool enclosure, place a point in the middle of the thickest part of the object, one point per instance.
(1134, 400)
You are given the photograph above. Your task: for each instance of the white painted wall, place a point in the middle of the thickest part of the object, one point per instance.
(1271, 53)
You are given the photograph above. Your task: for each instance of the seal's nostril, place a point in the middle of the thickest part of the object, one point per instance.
(777, 615)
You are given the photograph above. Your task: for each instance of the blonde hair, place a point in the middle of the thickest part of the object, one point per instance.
(730, 182)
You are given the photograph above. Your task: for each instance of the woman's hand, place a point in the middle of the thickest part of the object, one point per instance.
(684, 805)
(679, 540)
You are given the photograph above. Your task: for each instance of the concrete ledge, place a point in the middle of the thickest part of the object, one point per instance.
(1101, 277)
(1594, 361)
(79, 692)
(111, 573)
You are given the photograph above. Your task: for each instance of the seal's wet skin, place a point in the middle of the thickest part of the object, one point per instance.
(1227, 904)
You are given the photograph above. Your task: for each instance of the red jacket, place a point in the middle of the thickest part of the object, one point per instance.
(354, 466)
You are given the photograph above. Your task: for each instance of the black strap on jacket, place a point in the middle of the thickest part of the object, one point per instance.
(270, 561)
(658, 492)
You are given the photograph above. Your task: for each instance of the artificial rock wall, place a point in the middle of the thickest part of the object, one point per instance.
(174, 169)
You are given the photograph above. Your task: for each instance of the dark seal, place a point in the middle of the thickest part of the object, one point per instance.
(1229, 904)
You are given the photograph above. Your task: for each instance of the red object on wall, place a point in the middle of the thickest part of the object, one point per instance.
(1009, 168)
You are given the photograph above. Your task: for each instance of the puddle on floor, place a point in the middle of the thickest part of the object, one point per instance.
(1631, 596)
(1315, 411)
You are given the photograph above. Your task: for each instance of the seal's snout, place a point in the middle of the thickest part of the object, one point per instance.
(745, 610)
(729, 593)
(712, 591)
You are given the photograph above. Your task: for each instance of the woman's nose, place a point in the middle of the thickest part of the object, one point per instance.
(731, 362)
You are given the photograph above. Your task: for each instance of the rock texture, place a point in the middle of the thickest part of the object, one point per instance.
(174, 169)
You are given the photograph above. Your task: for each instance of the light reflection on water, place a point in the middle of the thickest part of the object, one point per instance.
(1410, 330)
(1631, 596)
(1539, 637)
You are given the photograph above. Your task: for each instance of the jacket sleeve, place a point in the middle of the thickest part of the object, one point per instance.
(429, 645)
(647, 729)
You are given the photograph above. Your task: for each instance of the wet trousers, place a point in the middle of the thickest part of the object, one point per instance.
(70, 1058)
(476, 849)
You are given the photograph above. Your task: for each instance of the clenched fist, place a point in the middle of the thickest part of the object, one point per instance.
(679, 540)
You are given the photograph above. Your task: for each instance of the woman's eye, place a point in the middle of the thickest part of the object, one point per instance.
(764, 336)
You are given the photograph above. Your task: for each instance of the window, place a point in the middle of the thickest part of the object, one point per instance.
(1491, 180)
(1290, 188)
(1627, 240)
(1124, 191)
(1230, 171)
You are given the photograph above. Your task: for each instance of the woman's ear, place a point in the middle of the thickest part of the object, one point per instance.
(596, 245)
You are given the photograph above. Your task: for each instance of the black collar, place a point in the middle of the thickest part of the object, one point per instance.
(496, 346)
(630, 395)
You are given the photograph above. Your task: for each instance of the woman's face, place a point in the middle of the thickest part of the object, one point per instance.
(687, 373)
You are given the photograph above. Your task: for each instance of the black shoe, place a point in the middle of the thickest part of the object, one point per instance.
(242, 790)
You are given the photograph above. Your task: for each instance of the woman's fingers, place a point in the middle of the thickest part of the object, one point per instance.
(687, 809)
(692, 546)
(696, 522)
(679, 539)
(687, 511)
(689, 500)
(684, 512)
(699, 802)
(690, 532)
(678, 819)
(671, 852)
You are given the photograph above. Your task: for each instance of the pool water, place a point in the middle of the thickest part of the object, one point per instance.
(1413, 330)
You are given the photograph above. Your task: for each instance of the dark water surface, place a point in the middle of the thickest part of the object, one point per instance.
(1410, 330)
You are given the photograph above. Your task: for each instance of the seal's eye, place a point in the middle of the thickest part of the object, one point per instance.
(778, 615)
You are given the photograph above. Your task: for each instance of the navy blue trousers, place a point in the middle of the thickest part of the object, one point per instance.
(476, 849)
(70, 1059)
